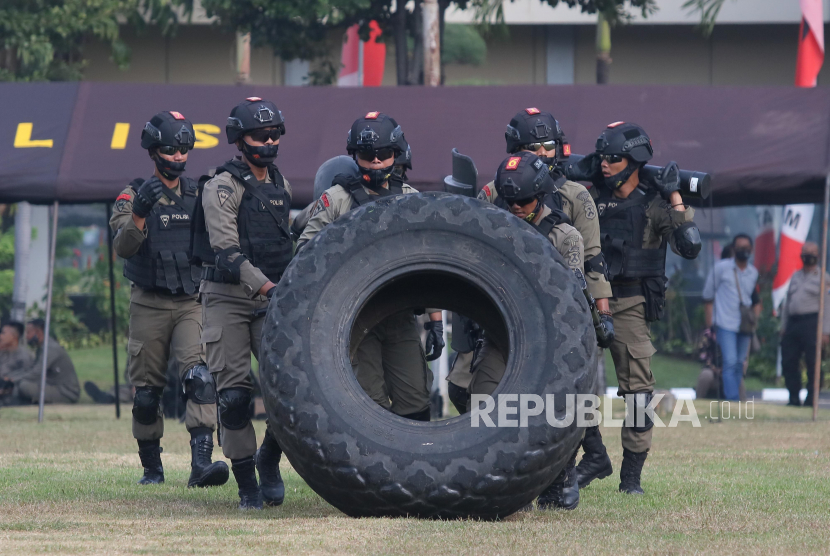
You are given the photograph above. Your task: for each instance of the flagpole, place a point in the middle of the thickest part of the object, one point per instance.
(822, 295)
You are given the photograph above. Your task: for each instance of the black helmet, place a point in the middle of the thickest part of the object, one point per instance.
(250, 114)
(533, 126)
(374, 131)
(629, 140)
(168, 129)
(523, 176)
(404, 159)
(330, 169)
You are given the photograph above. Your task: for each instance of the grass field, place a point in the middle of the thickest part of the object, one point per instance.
(744, 486)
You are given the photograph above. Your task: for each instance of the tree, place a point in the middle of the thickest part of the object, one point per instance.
(42, 40)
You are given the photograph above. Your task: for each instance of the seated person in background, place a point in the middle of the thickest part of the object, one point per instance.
(61, 381)
(15, 359)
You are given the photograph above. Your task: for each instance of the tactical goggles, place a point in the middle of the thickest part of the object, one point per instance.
(380, 154)
(612, 158)
(533, 147)
(170, 151)
(522, 202)
(262, 135)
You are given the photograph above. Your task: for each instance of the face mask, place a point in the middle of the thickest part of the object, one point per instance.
(809, 260)
(742, 255)
(374, 179)
(168, 169)
(616, 181)
(33, 342)
(260, 156)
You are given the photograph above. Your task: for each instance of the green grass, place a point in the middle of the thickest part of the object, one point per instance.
(745, 486)
(673, 372)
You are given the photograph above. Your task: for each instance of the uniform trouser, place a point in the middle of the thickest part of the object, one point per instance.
(488, 370)
(231, 333)
(632, 351)
(800, 338)
(30, 390)
(154, 332)
(391, 367)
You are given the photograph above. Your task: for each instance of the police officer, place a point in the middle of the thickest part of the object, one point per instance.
(151, 222)
(540, 133)
(389, 363)
(636, 219)
(243, 242)
(523, 183)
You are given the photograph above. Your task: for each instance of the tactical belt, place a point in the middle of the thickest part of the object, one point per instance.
(210, 274)
(628, 289)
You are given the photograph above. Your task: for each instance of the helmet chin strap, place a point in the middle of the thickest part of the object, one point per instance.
(532, 216)
(167, 168)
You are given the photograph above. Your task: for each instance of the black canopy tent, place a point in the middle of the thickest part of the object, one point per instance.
(79, 142)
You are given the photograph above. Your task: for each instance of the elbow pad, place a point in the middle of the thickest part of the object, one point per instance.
(687, 240)
(230, 270)
(597, 264)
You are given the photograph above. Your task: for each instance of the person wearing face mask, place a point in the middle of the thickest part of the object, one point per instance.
(729, 289)
(389, 363)
(799, 322)
(242, 240)
(637, 220)
(61, 381)
(151, 222)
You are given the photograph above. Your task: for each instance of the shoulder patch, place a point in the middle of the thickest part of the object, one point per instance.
(487, 192)
(587, 205)
(325, 199)
(316, 209)
(224, 192)
(123, 196)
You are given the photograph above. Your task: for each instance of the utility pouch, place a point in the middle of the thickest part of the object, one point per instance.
(654, 290)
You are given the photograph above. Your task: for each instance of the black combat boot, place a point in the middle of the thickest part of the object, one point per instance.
(203, 473)
(268, 465)
(564, 492)
(632, 467)
(149, 452)
(244, 471)
(595, 463)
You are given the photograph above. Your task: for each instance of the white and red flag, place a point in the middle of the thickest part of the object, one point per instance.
(810, 43)
(794, 228)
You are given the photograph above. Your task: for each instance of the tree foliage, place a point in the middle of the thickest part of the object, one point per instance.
(43, 40)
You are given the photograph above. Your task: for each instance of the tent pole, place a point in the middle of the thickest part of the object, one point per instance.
(46, 332)
(822, 295)
(113, 325)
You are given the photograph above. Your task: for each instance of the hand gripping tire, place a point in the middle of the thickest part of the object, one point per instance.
(424, 250)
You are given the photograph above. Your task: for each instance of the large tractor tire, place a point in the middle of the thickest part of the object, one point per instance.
(408, 252)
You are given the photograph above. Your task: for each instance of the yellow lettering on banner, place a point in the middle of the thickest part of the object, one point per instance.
(204, 139)
(23, 138)
(119, 136)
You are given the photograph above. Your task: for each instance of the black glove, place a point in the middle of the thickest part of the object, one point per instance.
(435, 339)
(605, 331)
(147, 196)
(585, 170)
(270, 293)
(667, 181)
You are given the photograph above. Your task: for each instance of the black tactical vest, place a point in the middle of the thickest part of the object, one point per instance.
(162, 262)
(622, 229)
(264, 240)
(360, 197)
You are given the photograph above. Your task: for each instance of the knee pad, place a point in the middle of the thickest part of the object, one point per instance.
(199, 386)
(636, 416)
(235, 408)
(146, 404)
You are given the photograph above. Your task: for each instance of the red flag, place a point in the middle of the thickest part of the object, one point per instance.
(794, 229)
(362, 63)
(810, 43)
